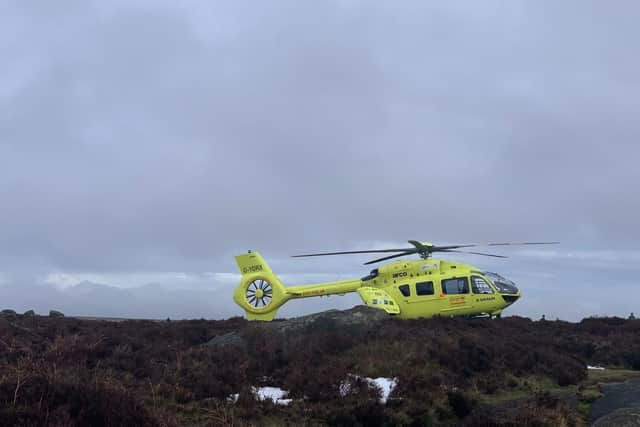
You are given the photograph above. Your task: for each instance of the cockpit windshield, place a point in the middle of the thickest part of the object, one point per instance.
(504, 286)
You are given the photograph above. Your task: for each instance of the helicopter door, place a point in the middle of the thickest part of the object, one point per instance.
(420, 297)
(456, 295)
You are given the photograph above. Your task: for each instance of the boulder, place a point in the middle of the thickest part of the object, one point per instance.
(55, 313)
(624, 417)
(231, 339)
(8, 313)
(29, 313)
(358, 315)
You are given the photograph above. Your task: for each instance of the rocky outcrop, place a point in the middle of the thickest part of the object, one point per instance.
(625, 417)
(358, 315)
(231, 339)
(8, 313)
(617, 395)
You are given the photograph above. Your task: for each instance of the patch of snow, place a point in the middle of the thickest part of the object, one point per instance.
(274, 393)
(597, 368)
(386, 386)
(344, 388)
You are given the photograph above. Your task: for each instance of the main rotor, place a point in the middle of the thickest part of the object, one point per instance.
(425, 249)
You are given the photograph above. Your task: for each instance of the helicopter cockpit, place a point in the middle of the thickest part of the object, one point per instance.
(503, 285)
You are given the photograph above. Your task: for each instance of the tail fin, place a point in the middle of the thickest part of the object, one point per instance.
(260, 292)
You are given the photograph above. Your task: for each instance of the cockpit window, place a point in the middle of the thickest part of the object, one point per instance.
(405, 290)
(504, 286)
(372, 275)
(480, 286)
(455, 286)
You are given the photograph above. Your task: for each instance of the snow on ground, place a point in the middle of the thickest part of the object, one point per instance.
(278, 395)
(386, 386)
(274, 393)
(597, 368)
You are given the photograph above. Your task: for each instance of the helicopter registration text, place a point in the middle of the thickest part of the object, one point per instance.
(252, 269)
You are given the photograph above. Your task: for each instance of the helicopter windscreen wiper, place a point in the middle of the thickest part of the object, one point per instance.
(426, 249)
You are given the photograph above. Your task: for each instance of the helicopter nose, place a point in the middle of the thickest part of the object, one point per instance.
(510, 299)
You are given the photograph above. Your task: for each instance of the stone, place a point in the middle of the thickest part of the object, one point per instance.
(358, 315)
(55, 313)
(624, 417)
(29, 313)
(230, 339)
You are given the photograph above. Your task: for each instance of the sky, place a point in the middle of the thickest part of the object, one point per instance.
(145, 143)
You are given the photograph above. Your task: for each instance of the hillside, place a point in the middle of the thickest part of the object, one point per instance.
(511, 371)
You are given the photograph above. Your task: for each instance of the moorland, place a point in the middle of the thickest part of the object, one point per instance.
(63, 371)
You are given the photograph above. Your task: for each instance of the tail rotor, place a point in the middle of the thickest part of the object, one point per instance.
(259, 293)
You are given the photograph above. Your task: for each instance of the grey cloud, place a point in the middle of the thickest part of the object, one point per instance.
(146, 136)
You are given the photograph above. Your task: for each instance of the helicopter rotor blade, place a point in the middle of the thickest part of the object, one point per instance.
(474, 253)
(444, 248)
(391, 257)
(372, 251)
(521, 243)
(420, 246)
(425, 250)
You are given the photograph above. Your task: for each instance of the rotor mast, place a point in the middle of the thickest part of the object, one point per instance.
(423, 249)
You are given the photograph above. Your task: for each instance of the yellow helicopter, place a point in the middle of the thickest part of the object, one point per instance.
(408, 289)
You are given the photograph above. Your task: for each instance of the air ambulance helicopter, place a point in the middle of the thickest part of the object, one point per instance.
(408, 289)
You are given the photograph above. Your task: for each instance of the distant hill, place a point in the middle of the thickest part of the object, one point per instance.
(149, 301)
(331, 368)
(94, 299)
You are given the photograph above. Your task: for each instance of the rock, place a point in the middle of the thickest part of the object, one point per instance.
(625, 417)
(29, 313)
(231, 339)
(616, 396)
(8, 313)
(55, 313)
(358, 315)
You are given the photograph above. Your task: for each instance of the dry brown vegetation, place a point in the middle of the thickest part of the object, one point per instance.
(69, 372)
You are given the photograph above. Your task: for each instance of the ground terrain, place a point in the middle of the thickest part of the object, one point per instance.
(63, 371)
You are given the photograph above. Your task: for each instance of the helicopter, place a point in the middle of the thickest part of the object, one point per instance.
(408, 289)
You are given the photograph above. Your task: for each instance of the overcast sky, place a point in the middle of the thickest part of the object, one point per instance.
(144, 143)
